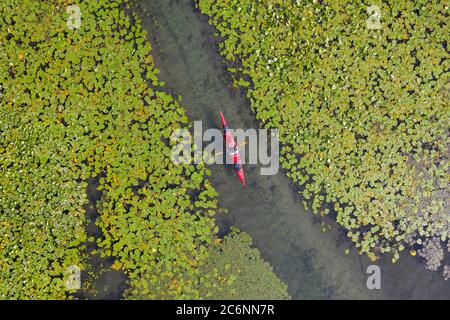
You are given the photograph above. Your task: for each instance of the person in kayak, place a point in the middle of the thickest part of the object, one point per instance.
(232, 149)
(233, 152)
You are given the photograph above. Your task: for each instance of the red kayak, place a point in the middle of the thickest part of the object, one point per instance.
(232, 150)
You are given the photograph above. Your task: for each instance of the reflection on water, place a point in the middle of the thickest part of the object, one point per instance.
(310, 261)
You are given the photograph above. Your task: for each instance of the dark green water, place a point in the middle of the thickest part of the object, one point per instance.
(310, 261)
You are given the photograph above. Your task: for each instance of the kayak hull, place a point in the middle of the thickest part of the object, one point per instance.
(240, 174)
(232, 150)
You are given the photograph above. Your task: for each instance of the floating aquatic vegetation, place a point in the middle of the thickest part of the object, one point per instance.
(446, 272)
(359, 95)
(41, 195)
(238, 272)
(433, 253)
(74, 105)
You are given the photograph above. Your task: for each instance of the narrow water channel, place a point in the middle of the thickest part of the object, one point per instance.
(311, 262)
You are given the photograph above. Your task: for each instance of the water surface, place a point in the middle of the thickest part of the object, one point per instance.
(311, 262)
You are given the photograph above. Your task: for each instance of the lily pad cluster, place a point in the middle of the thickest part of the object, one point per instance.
(41, 190)
(362, 112)
(80, 103)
